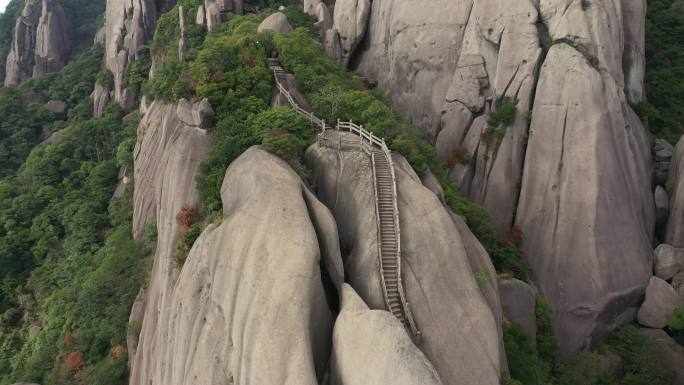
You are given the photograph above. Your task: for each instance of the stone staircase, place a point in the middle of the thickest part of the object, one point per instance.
(386, 208)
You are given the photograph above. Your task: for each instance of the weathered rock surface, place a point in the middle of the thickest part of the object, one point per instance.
(129, 25)
(100, 96)
(460, 333)
(53, 43)
(444, 62)
(199, 115)
(249, 303)
(586, 204)
(660, 303)
(350, 19)
(216, 11)
(277, 23)
(371, 347)
(675, 225)
(324, 19)
(331, 43)
(668, 261)
(662, 205)
(518, 301)
(17, 65)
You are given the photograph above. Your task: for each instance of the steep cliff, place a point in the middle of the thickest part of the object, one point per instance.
(251, 289)
(53, 43)
(451, 66)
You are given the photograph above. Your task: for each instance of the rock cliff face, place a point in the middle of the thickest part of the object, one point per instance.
(52, 39)
(573, 168)
(249, 306)
(18, 64)
(438, 264)
(129, 25)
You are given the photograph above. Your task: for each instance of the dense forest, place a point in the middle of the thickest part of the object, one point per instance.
(70, 267)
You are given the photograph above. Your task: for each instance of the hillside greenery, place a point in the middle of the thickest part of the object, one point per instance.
(65, 244)
(664, 109)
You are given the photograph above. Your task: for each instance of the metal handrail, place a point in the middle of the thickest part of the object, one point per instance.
(367, 140)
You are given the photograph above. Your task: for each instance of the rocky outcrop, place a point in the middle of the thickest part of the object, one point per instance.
(584, 163)
(198, 115)
(100, 96)
(675, 225)
(660, 303)
(586, 205)
(53, 43)
(371, 347)
(129, 25)
(460, 334)
(250, 302)
(518, 301)
(350, 20)
(276, 22)
(17, 67)
(216, 11)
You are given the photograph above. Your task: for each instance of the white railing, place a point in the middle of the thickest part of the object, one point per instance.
(367, 142)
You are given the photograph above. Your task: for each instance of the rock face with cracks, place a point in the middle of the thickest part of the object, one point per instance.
(460, 334)
(250, 302)
(53, 43)
(129, 25)
(17, 64)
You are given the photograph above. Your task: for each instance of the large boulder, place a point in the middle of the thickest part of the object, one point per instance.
(586, 206)
(53, 43)
(58, 108)
(668, 261)
(250, 302)
(460, 332)
(350, 21)
(518, 301)
(215, 11)
(371, 347)
(660, 303)
(22, 46)
(277, 23)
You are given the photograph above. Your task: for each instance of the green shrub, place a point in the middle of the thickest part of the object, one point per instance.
(499, 120)
(642, 358)
(523, 361)
(546, 340)
(583, 369)
(676, 326)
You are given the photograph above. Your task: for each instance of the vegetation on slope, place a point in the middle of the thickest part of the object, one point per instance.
(664, 110)
(65, 244)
